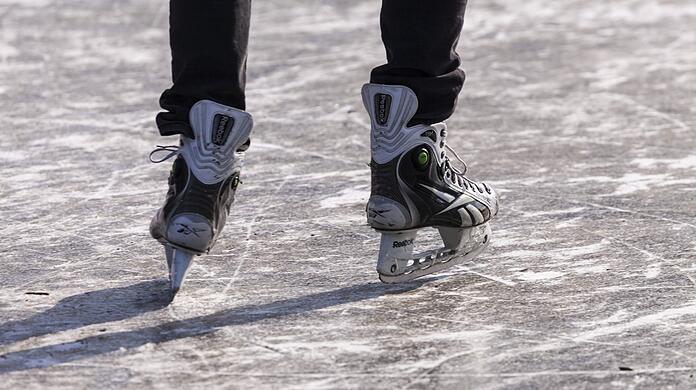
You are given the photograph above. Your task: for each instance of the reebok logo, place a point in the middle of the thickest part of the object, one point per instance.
(188, 230)
(401, 244)
(222, 124)
(382, 108)
(374, 212)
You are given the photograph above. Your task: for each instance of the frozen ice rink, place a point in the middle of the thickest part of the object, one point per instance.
(582, 113)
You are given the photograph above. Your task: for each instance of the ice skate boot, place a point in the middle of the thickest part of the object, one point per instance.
(415, 185)
(202, 183)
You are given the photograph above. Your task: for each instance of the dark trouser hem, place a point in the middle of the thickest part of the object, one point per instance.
(420, 38)
(209, 40)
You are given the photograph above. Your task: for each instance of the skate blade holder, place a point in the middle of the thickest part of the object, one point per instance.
(397, 263)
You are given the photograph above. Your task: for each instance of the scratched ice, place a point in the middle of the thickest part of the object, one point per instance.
(582, 113)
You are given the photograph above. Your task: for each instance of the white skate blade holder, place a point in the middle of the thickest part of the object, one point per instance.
(397, 263)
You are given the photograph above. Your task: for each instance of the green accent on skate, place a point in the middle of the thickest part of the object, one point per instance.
(423, 158)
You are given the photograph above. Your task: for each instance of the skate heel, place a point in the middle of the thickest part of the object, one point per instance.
(190, 231)
(179, 262)
(385, 213)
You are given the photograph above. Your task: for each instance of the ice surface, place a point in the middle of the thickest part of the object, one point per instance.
(582, 113)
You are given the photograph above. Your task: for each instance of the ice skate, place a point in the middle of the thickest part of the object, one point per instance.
(202, 183)
(415, 185)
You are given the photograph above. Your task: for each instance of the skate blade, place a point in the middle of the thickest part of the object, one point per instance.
(169, 253)
(416, 266)
(181, 261)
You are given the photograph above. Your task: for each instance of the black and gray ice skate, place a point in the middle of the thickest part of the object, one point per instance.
(202, 184)
(415, 185)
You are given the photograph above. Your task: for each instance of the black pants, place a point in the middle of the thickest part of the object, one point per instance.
(209, 41)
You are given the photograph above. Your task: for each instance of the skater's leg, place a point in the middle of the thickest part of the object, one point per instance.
(415, 185)
(209, 51)
(420, 38)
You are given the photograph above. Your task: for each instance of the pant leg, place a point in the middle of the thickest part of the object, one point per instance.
(420, 38)
(209, 50)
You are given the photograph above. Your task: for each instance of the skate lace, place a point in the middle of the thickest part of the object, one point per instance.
(175, 150)
(456, 174)
(171, 150)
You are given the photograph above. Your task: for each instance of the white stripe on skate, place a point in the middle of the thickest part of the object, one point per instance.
(466, 218)
(442, 195)
(475, 213)
(249, 227)
(462, 199)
